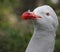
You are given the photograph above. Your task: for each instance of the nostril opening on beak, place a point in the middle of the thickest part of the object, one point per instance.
(28, 13)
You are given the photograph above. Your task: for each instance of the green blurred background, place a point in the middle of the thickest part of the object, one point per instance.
(15, 33)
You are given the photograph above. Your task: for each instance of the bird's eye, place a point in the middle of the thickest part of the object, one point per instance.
(47, 14)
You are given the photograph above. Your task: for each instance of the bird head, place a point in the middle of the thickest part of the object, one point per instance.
(44, 17)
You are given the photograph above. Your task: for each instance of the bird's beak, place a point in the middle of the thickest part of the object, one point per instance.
(29, 15)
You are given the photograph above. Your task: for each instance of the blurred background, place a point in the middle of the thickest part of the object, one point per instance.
(15, 33)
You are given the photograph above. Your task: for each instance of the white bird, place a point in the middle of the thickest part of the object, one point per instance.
(45, 25)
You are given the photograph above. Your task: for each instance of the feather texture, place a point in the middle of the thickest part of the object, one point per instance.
(43, 39)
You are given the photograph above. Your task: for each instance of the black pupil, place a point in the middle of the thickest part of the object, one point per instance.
(47, 14)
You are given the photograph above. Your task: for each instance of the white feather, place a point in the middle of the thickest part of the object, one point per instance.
(43, 39)
(28, 10)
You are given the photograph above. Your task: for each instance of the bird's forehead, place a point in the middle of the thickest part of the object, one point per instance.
(42, 9)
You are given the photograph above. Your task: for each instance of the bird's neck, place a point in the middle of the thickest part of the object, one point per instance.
(43, 33)
(41, 41)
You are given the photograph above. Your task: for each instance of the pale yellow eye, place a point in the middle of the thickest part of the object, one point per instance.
(48, 14)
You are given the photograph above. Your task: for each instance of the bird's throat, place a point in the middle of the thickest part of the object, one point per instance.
(41, 42)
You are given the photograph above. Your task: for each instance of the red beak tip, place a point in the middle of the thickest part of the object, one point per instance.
(23, 16)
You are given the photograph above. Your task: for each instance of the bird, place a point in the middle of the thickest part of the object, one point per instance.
(45, 23)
